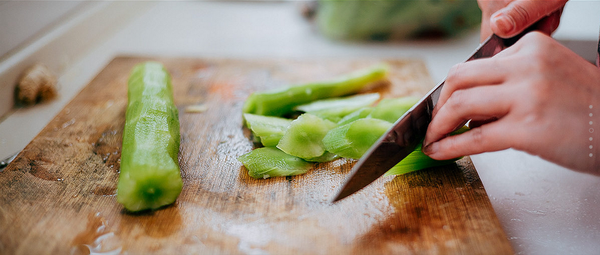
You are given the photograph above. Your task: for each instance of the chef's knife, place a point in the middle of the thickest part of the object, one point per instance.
(409, 130)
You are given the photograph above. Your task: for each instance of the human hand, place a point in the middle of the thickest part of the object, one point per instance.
(546, 100)
(507, 18)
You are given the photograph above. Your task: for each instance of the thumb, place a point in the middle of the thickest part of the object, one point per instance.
(520, 14)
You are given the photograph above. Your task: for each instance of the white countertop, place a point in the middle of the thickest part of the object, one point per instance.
(544, 208)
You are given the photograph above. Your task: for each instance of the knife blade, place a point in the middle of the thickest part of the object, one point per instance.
(409, 130)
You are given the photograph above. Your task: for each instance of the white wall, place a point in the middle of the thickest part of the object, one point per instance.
(23, 21)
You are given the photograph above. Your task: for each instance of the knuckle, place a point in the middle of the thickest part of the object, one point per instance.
(478, 137)
(520, 15)
(539, 61)
(538, 41)
(535, 34)
(453, 145)
(456, 100)
(454, 75)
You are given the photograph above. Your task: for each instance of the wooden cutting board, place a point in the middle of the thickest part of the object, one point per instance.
(58, 196)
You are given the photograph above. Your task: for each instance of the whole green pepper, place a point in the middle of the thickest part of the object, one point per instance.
(150, 177)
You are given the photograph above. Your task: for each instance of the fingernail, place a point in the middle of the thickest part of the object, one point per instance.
(504, 23)
(426, 142)
(430, 148)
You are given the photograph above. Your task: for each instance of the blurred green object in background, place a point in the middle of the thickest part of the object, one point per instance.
(395, 19)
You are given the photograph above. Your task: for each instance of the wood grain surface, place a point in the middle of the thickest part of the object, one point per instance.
(58, 195)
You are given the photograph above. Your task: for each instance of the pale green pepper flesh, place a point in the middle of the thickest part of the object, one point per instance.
(268, 129)
(352, 140)
(417, 160)
(391, 109)
(268, 162)
(335, 109)
(304, 136)
(358, 114)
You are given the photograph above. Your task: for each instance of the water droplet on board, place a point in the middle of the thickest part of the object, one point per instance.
(100, 248)
(68, 123)
(97, 239)
(109, 103)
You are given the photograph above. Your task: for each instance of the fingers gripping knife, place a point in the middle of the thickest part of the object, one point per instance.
(409, 130)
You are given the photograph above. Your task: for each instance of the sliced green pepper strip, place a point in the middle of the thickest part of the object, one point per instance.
(417, 160)
(335, 109)
(358, 114)
(281, 101)
(326, 157)
(268, 162)
(268, 128)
